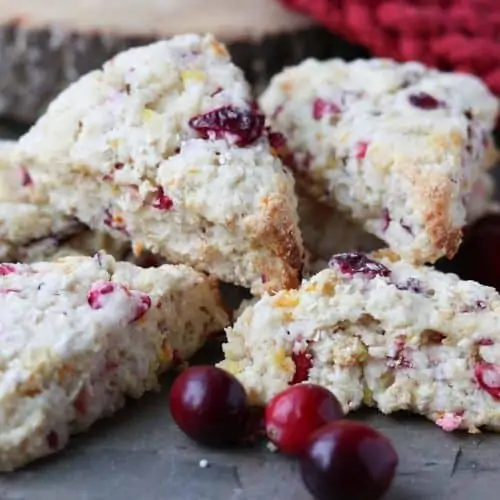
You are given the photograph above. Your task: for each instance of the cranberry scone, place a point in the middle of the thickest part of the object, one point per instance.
(167, 148)
(378, 331)
(327, 231)
(31, 232)
(81, 334)
(397, 147)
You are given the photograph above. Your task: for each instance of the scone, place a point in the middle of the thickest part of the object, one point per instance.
(397, 147)
(381, 332)
(31, 232)
(164, 145)
(327, 231)
(81, 334)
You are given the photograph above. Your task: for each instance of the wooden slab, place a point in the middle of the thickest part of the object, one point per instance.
(141, 455)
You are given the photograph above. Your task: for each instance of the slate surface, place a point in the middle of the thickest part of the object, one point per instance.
(140, 455)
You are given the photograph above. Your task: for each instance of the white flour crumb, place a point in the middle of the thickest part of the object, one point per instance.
(272, 447)
(204, 463)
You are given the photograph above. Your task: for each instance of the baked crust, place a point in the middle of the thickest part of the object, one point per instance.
(396, 147)
(124, 136)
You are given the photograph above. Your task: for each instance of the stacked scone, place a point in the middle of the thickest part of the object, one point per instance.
(163, 151)
(384, 155)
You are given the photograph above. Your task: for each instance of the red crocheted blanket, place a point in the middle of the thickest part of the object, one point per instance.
(460, 35)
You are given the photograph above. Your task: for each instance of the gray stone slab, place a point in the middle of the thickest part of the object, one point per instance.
(140, 454)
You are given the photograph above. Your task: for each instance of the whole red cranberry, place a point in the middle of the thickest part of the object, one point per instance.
(348, 460)
(478, 257)
(294, 414)
(209, 405)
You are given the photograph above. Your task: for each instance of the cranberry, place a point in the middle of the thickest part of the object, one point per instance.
(386, 219)
(96, 293)
(142, 305)
(96, 298)
(26, 179)
(352, 263)
(6, 269)
(347, 460)
(425, 101)
(247, 126)
(411, 284)
(477, 258)
(293, 415)
(361, 148)
(209, 405)
(162, 201)
(488, 377)
(53, 440)
(303, 364)
(322, 107)
(486, 342)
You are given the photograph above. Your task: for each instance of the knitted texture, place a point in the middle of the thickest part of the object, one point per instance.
(458, 35)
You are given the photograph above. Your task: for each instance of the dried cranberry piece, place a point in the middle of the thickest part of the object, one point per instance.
(352, 263)
(26, 179)
(94, 297)
(488, 377)
(411, 284)
(425, 101)
(53, 440)
(81, 401)
(303, 364)
(96, 300)
(401, 358)
(6, 269)
(162, 201)
(486, 342)
(361, 148)
(386, 219)
(322, 107)
(247, 126)
(143, 305)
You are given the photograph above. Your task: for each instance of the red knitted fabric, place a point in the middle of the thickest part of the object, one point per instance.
(460, 35)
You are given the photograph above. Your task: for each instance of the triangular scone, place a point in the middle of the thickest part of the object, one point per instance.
(327, 231)
(164, 145)
(81, 334)
(31, 232)
(380, 332)
(397, 147)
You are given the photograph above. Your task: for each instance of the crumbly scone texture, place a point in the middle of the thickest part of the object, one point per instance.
(379, 332)
(397, 147)
(32, 232)
(166, 147)
(81, 334)
(327, 231)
